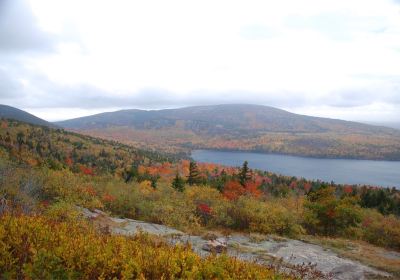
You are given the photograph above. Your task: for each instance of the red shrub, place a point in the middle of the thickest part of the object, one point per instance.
(204, 209)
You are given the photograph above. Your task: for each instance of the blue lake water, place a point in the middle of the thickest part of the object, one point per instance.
(344, 171)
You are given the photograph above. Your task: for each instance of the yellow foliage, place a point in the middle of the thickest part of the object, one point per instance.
(37, 247)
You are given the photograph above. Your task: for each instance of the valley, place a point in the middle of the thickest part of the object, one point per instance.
(47, 172)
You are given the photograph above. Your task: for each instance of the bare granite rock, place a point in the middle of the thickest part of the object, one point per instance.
(218, 245)
(288, 251)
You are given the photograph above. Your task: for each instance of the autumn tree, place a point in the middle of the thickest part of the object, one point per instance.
(220, 181)
(132, 173)
(244, 174)
(20, 139)
(178, 183)
(193, 177)
(329, 215)
(233, 190)
(39, 149)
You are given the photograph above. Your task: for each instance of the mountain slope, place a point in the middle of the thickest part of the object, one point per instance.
(242, 127)
(8, 112)
(222, 119)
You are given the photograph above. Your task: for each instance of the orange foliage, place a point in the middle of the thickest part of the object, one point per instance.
(4, 124)
(108, 197)
(233, 189)
(252, 189)
(90, 190)
(69, 161)
(31, 161)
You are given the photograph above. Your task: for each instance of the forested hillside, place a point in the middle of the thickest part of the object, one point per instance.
(8, 112)
(242, 127)
(46, 173)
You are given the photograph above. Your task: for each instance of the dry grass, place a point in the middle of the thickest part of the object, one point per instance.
(377, 257)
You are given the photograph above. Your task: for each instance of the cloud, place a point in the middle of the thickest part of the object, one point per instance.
(64, 54)
(10, 87)
(339, 25)
(19, 29)
(257, 32)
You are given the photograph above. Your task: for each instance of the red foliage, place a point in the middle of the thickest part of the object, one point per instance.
(86, 170)
(331, 213)
(45, 203)
(261, 180)
(348, 189)
(293, 185)
(307, 187)
(366, 222)
(204, 209)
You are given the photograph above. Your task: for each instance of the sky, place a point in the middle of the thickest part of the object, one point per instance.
(69, 58)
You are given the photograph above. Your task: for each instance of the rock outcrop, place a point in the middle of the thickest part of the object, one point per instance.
(287, 252)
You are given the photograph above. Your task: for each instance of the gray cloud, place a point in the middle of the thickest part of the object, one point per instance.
(21, 38)
(32, 90)
(19, 30)
(10, 87)
(23, 88)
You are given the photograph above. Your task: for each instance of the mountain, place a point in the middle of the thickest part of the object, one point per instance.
(8, 112)
(217, 119)
(243, 127)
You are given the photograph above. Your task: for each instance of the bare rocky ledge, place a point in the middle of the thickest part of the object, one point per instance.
(288, 252)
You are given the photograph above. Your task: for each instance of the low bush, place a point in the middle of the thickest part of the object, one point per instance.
(38, 247)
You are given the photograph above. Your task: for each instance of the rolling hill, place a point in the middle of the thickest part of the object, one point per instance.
(8, 112)
(242, 127)
(223, 119)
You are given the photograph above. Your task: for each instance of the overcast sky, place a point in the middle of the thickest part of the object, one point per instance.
(69, 58)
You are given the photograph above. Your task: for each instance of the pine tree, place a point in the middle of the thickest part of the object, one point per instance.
(178, 183)
(193, 177)
(154, 182)
(20, 140)
(244, 174)
(132, 173)
(39, 149)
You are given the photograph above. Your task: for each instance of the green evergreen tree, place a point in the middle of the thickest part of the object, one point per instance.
(154, 180)
(244, 174)
(132, 173)
(20, 138)
(39, 149)
(178, 183)
(193, 177)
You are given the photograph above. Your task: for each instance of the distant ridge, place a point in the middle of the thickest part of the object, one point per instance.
(217, 119)
(242, 127)
(8, 112)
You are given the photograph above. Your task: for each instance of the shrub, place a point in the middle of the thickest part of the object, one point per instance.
(263, 217)
(326, 214)
(381, 230)
(37, 247)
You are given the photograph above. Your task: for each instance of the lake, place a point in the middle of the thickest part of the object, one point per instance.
(344, 171)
